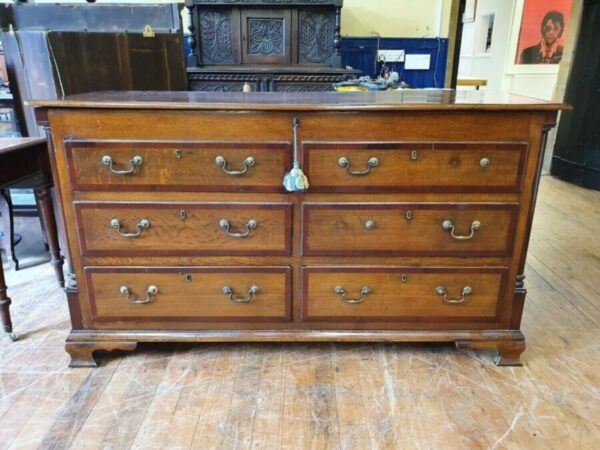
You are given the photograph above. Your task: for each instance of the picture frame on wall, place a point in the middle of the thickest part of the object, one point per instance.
(536, 45)
(470, 10)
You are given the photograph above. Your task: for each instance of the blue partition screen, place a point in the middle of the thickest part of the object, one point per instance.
(361, 54)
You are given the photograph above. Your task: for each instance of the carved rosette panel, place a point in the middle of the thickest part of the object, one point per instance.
(265, 36)
(316, 36)
(215, 36)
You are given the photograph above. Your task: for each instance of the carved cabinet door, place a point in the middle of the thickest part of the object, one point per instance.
(267, 36)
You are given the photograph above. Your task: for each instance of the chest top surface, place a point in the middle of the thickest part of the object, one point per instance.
(303, 101)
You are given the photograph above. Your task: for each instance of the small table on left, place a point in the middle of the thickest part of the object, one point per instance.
(24, 162)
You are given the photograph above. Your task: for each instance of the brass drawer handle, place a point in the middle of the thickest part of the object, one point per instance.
(366, 290)
(344, 163)
(151, 291)
(227, 290)
(222, 163)
(250, 225)
(142, 225)
(441, 291)
(136, 161)
(449, 226)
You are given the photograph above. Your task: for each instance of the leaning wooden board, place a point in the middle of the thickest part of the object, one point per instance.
(415, 227)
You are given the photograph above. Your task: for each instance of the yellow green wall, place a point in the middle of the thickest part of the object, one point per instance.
(396, 18)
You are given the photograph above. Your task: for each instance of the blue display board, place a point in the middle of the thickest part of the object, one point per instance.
(361, 54)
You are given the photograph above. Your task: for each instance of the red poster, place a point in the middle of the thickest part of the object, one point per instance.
(543, 30)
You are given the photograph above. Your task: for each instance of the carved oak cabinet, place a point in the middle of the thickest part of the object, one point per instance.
(414, 227)
(273, 45)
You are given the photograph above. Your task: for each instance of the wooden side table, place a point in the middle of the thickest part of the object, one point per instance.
(24, 162)
(471, 81)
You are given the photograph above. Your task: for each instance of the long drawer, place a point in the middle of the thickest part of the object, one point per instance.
(224, 228)
(463, 229)
(169, 166)
(226, 294)
(402, 294)
(437, 167)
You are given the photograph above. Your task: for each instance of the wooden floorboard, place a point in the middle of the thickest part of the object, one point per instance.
(324, 396)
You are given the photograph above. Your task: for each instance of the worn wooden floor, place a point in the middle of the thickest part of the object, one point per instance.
(326, 396)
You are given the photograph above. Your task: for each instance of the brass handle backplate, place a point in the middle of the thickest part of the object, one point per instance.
(227, 290)
(441, 291)
(142, 225)
(222, 163)
(344, 163)
(365, 290)
(449, 226)
(136, 161)
(250, 225)
(150, 292)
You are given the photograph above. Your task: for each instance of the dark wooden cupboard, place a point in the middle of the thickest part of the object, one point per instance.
(275, 45)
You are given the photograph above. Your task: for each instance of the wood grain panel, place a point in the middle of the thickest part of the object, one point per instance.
(197, 233)
(407, 229)
(416, 166)
(189, 294)
(176, 165)
(401, 293)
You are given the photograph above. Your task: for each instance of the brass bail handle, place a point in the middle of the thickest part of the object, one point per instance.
(365, 290)
(142, 225)
(449, 226)
(252, 291)
(442, 292)
(295, 180)
(136, 161)
(150, 292)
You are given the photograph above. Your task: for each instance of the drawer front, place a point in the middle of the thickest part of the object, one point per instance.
(138, 229)
(423, 229)
(400, 294)
(437, 167)
(165, 166)
(189, 294)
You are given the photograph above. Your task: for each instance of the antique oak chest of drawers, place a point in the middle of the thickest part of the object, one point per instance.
(414, 226)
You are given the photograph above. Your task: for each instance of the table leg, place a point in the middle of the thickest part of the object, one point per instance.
(9, 231)
(46, 209)
(4, 307)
